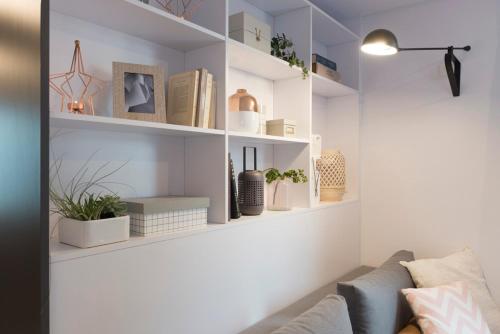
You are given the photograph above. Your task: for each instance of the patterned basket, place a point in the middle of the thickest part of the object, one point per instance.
(332, 170)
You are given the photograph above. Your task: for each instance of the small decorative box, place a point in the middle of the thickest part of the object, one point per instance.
(281, 127)
(159, 215)
(250, 31)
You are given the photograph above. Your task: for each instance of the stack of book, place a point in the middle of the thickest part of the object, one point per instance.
(325, 67)
(192, 99)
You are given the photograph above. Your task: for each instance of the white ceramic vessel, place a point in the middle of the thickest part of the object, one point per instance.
(279, 196)
(85, 234)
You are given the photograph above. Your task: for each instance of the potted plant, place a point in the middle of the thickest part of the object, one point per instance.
(282, 47)
(279, 198)
(88, 219)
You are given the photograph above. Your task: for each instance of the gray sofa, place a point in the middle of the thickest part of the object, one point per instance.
(289, 313)
(365, 301)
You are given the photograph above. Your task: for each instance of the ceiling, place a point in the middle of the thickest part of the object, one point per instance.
(346, 9)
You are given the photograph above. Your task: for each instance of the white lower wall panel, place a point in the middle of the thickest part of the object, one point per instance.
(216, 282)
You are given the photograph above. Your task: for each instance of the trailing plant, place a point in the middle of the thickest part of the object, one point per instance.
(295, 175)
(82, 197)
(282, 48)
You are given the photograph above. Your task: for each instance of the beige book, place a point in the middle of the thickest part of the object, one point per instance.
(183, 98)
(205, 116)
(202, 88)
(213, 106)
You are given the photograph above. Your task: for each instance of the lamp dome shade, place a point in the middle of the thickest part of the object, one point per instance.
(380, 42)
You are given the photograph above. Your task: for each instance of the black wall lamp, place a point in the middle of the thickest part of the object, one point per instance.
(382, 42)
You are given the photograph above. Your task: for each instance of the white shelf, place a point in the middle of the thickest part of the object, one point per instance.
(329, 88)
(140, 20)
(329, 31)
(248, 59)
(264, 139)
(61, 252)
(89, 122)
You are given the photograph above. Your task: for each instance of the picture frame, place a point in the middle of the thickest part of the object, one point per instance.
(139, 92)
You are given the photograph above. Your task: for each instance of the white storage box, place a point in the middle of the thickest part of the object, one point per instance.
(159, 215)
(92, 233)
(281, 127)
(250, 31)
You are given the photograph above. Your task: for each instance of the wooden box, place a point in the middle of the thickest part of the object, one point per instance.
(250, 31)
(281, 127)
(326, 72)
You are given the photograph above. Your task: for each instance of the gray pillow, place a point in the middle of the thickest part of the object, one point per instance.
(329, 316)
(376, 304)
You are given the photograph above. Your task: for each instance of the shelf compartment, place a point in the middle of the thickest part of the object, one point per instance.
(329, 31)
(88, 122)
(264, 139)
(248, 59)
(278, 7)
(329, 88)
(140, 20)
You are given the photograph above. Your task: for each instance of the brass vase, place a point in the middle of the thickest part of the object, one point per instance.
(244, 112)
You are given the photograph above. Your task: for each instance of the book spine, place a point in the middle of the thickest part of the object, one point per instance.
(235, 208)
(202, 88)
(213, 106)
(324, 61)
(208, 101)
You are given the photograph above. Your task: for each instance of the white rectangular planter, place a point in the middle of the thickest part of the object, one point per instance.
(85, 234)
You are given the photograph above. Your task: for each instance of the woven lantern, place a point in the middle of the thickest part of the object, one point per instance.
(332, 170)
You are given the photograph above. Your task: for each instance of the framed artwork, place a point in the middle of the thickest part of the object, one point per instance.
(139, 92)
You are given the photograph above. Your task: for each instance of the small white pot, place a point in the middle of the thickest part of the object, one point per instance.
(85, 234)
(279, 196)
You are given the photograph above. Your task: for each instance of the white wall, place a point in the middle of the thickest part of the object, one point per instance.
(219, 282)
(430, 166)
(490, 230)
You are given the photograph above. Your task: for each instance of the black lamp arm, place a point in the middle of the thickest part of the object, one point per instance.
(465, 48)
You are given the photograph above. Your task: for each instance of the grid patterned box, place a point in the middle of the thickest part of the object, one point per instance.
(152, 216)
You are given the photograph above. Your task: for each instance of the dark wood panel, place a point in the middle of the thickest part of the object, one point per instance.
(23, 166)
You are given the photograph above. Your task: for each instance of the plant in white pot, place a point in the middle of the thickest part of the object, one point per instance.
(88, 219)
(279, 196)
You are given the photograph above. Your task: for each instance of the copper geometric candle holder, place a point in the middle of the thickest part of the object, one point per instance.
(78, 101)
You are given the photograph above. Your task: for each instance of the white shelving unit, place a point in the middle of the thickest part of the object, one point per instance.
(140, 20)
(196, 274)
(190, 160)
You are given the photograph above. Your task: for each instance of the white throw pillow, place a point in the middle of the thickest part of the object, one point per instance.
(462, 266)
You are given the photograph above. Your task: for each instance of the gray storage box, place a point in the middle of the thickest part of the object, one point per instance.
(250, 31)
(159, 215)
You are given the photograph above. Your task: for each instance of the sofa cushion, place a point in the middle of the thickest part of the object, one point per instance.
(462, 266)
(447, 309)
(375, 302)
(329, 316)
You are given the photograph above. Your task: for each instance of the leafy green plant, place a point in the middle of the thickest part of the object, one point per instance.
(282, 48)
(295, 175)
(78, 198)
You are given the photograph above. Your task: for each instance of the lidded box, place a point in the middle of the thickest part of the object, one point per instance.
(157, 215)
(249, 30)
(281, 127)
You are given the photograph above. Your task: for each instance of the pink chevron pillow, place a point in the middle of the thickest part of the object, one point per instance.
(446, 309)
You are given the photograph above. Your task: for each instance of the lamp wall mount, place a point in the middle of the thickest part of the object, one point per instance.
(452, 64)
(382, 42)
